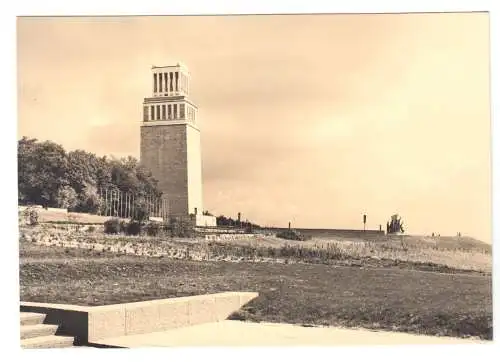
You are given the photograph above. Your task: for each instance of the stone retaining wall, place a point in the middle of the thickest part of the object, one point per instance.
(93, 324)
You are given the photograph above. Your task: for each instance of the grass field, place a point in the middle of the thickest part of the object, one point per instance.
(310, 294)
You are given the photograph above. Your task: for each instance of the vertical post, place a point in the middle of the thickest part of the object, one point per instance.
(125, 196)
(164, 207)
(120, 204)
(106, 203)
(148, 204)
(110, 202)
(100, 200)
(129, 213)
(131, 203)
(132, 206)
(129, 206)
(132, 214)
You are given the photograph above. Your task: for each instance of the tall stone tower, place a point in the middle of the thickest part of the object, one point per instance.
(170, 140)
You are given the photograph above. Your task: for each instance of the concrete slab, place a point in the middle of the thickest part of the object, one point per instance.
(237, 333)
(92, 324)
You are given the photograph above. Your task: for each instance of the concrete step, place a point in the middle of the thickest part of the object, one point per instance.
(31, 318)
(37, 330)
(48, 342)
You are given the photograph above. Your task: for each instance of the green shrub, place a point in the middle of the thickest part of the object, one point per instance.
(66, 197)
(133, 228)
(33, 217)
(91, 229)
(112, 226)
(153, 228)
(181, 228)
(141, 213)
(30, 216)
(291, 235)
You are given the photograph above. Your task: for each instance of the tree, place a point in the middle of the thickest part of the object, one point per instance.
(45, 171)
(82, 169)
(42, 169)
(67, 197)
(89, 200)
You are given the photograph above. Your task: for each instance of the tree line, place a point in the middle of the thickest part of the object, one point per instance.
(50, 176)
(230, 222)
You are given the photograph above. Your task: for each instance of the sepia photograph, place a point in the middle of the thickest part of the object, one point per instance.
(254, 180)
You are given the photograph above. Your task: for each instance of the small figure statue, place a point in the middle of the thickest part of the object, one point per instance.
(396, 225)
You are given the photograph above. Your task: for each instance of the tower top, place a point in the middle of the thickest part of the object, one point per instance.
(170, 80)
(179, 66)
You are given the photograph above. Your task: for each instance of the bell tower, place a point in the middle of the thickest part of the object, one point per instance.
(170, 139)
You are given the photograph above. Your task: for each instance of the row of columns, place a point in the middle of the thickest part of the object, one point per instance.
(158, 112)
(169, 82)
(122, 204)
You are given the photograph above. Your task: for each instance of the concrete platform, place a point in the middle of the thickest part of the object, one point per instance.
(92, 324)
(237, 333)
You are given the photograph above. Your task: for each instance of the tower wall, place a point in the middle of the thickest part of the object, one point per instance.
(164, 153)
(170, 140)
(194, 170)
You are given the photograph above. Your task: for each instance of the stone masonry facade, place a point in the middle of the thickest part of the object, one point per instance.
(164, 153)
(170, 140)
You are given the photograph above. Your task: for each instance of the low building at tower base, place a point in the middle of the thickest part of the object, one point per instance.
(204, 220)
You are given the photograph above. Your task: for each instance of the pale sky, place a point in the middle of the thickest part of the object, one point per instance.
(313, 119)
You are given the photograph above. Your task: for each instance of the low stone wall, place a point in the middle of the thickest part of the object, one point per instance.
(205, 220)
(228, 237)
(39, 208)
(92, 325)
(62, 215)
